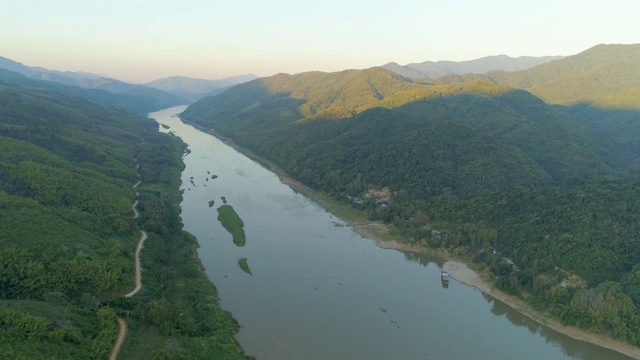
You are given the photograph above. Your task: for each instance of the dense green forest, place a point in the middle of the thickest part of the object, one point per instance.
(67, 166)
(529, 191)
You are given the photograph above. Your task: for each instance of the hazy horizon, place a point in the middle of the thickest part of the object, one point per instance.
(139, 41)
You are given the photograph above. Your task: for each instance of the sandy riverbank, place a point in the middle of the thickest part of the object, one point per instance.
(462, 273)
(459, 271)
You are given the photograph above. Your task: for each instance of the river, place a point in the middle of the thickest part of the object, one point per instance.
(317, 290)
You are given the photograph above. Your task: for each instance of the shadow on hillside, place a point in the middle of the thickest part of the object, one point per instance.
(563, 144)
(621, 125)
(590, 140)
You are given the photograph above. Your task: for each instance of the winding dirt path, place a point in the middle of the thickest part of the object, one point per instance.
(122, 324)
(121, 335)
(136, 214)
(143, 237)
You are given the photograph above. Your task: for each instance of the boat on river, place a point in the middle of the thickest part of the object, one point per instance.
(445, 279)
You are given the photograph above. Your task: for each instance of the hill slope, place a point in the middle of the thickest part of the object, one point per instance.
(516, 118)
(600, 73)
(600, 86)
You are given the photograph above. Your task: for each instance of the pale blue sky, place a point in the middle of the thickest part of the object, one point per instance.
(142, 40)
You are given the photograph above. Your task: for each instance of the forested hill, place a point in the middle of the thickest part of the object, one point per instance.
(480, 168)
(309, 95)
(599, 86)
(526, 133)
(600, 74)
(68, 237)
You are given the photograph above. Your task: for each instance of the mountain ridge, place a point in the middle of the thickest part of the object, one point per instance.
(436, 69)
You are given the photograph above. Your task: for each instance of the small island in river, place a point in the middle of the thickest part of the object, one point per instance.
(232, 222)
(244, 265)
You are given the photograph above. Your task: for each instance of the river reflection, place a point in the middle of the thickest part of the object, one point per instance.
(320, 291)
(573, 349)
(423, 260)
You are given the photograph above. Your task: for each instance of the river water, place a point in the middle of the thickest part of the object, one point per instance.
(317, 290)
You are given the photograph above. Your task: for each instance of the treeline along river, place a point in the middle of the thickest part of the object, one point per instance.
(314, 289)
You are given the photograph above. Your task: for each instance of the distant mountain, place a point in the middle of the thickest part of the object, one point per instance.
(135, 103)
(158, 99)
(406, 71)
(432, 70)
(195, 89)
(44, 74)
